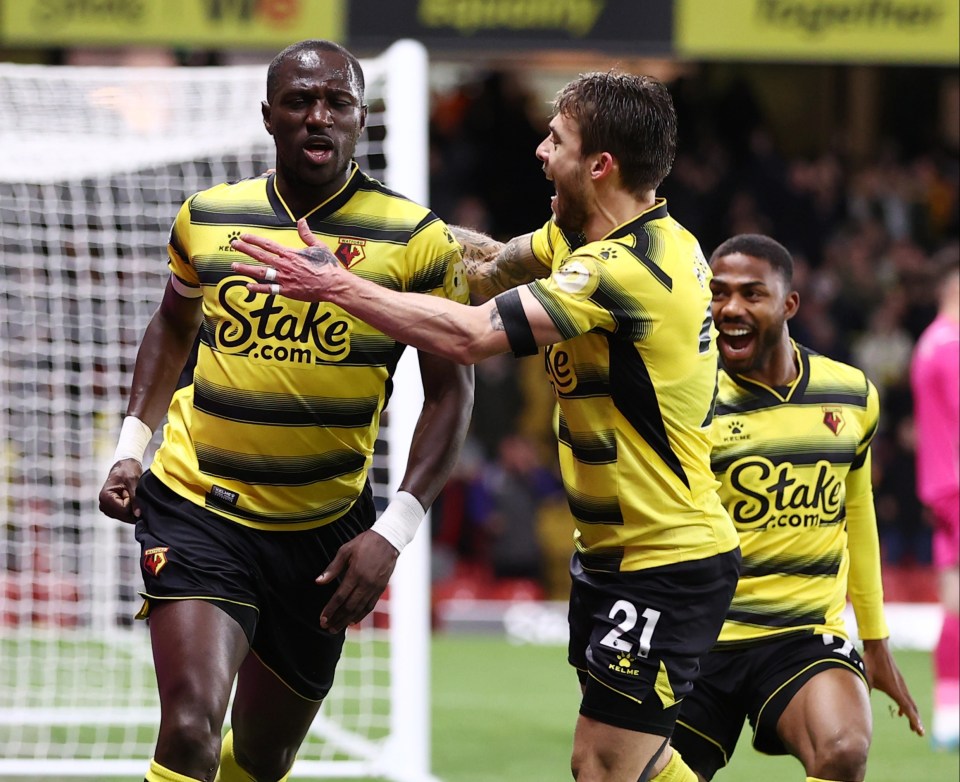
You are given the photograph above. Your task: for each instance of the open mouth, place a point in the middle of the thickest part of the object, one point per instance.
(736, 341)
(318, 150)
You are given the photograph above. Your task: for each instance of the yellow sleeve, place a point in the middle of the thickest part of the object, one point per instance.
(185, 277)
(545, 242)
(435, 262)
(865, 587)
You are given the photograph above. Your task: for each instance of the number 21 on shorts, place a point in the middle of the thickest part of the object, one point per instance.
(614, 639)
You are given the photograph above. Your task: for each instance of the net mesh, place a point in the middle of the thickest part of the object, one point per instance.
(94, 163)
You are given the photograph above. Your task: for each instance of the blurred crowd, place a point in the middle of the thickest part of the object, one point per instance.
(866, 235)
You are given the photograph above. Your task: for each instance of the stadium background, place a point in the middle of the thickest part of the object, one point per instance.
(832, 125)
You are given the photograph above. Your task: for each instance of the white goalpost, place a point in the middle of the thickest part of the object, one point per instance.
(94, 163)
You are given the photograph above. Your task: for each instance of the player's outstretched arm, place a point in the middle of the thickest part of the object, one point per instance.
(494, 267)
(445, 328)
(883, 675)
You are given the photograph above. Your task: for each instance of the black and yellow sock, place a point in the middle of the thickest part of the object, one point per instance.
(675, 771)
(230, 770)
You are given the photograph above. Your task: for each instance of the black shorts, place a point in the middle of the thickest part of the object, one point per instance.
(636, 637)
(755, 682)
(263, 579)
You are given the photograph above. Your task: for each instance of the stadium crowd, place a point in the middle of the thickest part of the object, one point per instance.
(866, 234)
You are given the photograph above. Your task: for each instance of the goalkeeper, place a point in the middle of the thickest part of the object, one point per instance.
(256, 519)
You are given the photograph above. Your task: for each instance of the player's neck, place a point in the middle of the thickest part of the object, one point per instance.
(614, 207)
(780, 368)
(950, 309)
(302, 199)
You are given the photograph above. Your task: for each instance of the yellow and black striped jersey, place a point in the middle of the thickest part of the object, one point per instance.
(635, 377)
(277, 428)
(794, 464)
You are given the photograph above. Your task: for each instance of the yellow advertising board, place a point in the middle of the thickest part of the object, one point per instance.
(907, 31)
(215, 24)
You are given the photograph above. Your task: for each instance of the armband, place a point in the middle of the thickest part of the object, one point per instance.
(134, 438)
(515, 323)
(400, 521)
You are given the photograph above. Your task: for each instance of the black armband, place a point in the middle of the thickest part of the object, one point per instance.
(515, 324)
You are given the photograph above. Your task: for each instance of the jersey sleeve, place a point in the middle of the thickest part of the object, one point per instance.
(434, 262)
(865, 587)
(545, 241)
(592, 290)
(183, 274)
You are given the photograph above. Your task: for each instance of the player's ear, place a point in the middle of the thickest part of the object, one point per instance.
(265, 112)
(363, 116)
(791, 304)
(602, 165)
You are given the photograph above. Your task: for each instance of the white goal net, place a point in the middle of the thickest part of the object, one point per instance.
(94, 163)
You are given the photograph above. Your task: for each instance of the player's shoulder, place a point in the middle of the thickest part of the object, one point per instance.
(829, 374)
(373, 194)
(941, 334)
(226, 194)
(655, 239)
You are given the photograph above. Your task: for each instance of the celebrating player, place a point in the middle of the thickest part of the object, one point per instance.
(624, 310)
(792, 435)
(255, 518)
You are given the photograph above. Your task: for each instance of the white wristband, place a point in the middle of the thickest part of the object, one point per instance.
(134, 438)
(399, 522)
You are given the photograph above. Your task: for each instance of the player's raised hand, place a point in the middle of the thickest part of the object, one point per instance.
(308, 274)
(883, 674)
(118, 497)
(364, 566)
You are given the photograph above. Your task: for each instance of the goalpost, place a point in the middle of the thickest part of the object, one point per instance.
(94, 163)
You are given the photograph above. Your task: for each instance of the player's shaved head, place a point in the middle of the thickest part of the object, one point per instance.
(296, 50)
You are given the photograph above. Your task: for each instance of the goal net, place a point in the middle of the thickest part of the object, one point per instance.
(94, 163)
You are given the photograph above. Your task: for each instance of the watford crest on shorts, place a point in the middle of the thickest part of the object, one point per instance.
(155, 559)
(350, 251)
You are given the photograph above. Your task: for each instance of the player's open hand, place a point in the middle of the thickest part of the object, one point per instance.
(118, 497)
(364, 566)
(883, 674)
(308, 274)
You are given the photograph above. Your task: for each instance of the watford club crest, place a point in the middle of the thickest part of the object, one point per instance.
(350, 251)
(155, 559)
(833, 419)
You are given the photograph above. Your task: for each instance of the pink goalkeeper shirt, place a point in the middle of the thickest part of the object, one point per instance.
(935, 378)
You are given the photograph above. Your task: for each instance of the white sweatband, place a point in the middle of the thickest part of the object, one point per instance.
(400, 521)
(134, 438)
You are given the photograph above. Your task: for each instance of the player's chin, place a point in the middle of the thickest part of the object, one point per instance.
(735, 359)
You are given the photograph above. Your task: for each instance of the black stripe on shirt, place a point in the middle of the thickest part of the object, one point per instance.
(634, 395)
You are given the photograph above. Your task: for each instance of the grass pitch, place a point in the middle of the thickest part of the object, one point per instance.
(504, 713)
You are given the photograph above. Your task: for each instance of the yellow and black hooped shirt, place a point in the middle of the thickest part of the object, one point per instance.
(794, 464)
(635, 378)
(277, 429)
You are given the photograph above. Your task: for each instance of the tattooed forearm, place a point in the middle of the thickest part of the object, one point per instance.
(510, 265)
(496, 322)
(318, 255)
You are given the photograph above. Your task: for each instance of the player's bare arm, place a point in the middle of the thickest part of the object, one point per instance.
(166, 345)
(367, 561)
(494, 267)
(884, 675)
(454, 331)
